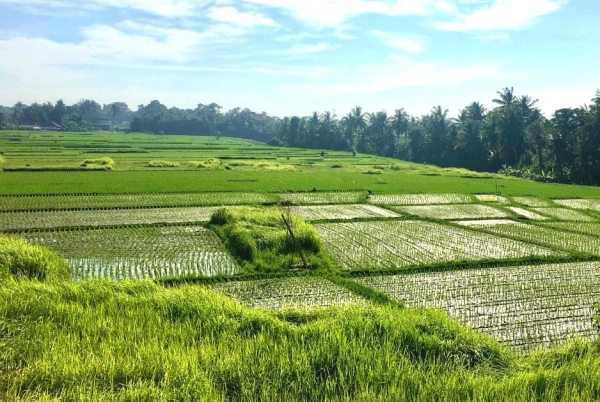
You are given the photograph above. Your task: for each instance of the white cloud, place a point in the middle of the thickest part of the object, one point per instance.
(232, 15)
(332, 13)
(401, 74)
(163, 8)
(502, 15)
(302, 49)
(175, 45)
(407, 44)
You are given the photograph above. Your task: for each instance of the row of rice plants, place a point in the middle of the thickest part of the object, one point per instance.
(593, 205)
(286, 293)
(546, 236)
(564, 214)
(102, 217)
(346, 211)
(96, 201)
(334, 197)
(421, 199)
(531, 201)
(460, 211)
(523, 306)
(524, 213)
(387, 244)
(591, 228)
(491, 198)
(138, 252)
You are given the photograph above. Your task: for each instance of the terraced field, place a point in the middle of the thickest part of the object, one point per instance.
(138, 252)
(167, 235)
(393, 244)
(524, 307)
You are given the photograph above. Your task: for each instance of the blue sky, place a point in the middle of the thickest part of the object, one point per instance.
(292, 57)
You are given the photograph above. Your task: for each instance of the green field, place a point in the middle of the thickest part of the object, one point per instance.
(224, 269)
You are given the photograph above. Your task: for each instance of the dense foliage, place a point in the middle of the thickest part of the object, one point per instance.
(514, 136)
(21, 260)
(269, 239)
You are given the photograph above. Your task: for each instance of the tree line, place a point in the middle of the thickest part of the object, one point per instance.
(513, 137)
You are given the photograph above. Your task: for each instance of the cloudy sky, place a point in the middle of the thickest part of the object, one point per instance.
(289, 57)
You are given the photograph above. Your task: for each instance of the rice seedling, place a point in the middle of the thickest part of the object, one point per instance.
(103, 217)
(387, 244)
(546, 236)
(421, 199)
(593, 205)
(337, 197)
(591, 228)
(525, 307)
(462, 211)
(564, 214)
(524, 213)
(296, 293)
(352, 211)
(491, 198)
(96, 201)
(138, 252)
(531, 201)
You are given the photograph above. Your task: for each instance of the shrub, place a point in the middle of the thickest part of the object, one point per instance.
(161, 163)
(105, 161)
(21, 260)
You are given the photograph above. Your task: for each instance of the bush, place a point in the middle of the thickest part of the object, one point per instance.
(105, 161)
(21, 260)
(161, 163)
(260, 241)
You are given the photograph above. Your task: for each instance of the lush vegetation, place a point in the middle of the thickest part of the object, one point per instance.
(513, 137)
(21, 260)
(269, 239)
(214, 217)
(138, 341)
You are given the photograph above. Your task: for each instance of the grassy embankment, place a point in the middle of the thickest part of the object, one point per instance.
(100, 340)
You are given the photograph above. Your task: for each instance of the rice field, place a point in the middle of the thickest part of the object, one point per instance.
(289, 293)
(392, 244)
(491, 198)
(524, 213)
(102, 217)
(564, 214)
(421, 199)
(99, 201)
(593, 205)
(461, 211)
(524, 307)
(591, 228)
(546, 236)
(531, 201)
(317, 197)
(138, 252)
(339, 212)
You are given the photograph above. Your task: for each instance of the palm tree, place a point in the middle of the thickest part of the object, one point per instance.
(507, 97)
(400, 123)
(359, 125)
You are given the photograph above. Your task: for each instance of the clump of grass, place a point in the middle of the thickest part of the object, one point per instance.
(21, 260)
(260, 241)
(2, 160)
(379, 167)
(370, 171)
(395, 167)
(337, 166)
(105, 162)
(209, 164)
(162, 163)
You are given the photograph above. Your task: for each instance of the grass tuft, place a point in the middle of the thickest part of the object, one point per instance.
(21, 260)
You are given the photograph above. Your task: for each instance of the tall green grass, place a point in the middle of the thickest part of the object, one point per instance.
(259, 240)
(21, 260)
(106, 341)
